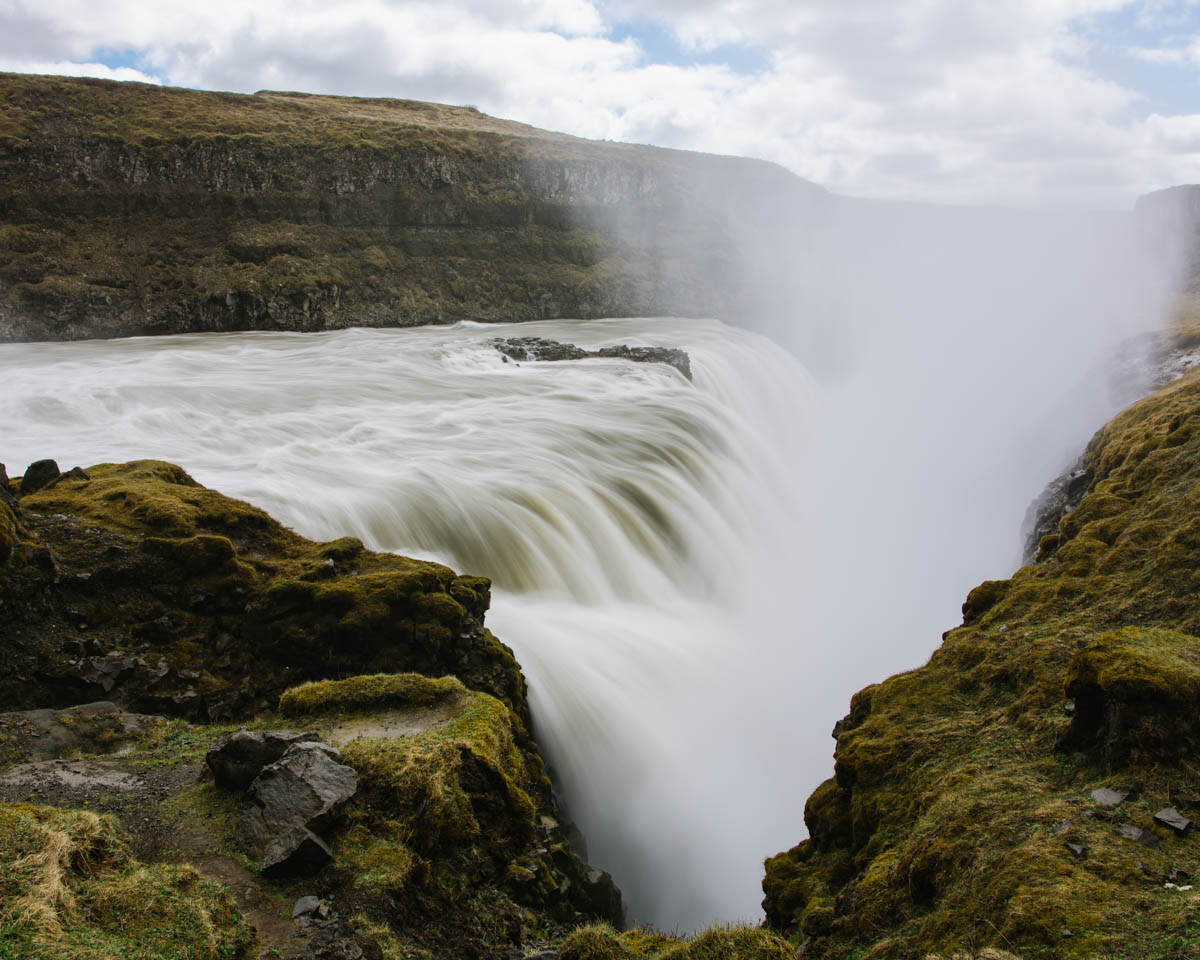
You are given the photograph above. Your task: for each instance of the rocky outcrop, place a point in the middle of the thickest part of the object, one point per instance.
(127, 209)
(953, 821)
(539, 348)
(138, 585)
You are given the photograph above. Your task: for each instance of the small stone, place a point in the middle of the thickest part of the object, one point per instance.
(1171, 818)
(1138, 835)
(1069, 708)
(1066, 933)
(304, 906)
(1078, 849)
(1060, 827)
(1106, 815)
(1109, 798)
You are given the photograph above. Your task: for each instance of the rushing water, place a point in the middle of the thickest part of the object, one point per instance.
(638, 529)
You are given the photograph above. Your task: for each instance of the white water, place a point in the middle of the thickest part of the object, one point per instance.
(640, 531)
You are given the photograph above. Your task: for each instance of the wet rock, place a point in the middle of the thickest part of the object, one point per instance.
(1109, 798)
(539, 348)
(294, 852)
(236, 760)
(603, 899)
(1062, 495)
(1174, 820)
(1129, 832)
(37, 475)
(306, 788)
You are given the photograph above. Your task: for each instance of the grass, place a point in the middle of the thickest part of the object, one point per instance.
(71, 890)
(602, 942)
(379, 691)
(936, 834)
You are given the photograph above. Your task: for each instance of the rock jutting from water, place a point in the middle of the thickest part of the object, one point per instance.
(539, 348)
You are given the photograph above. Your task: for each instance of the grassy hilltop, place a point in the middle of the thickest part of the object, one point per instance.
(129, 209)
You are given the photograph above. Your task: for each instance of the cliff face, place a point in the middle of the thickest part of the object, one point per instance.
(128, 209)
(1031, 788)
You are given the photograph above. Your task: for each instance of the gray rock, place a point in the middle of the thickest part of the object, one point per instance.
(294, 852)
(1061, 495)
(306, 787)
(1109, 798)
(539, 348)
(236, 760)
(38, 475)
(1078, 850)
(1138, 835)
(6, 495)
(305, 906)
(1174, 820)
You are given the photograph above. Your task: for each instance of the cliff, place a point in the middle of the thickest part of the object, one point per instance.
(134, 209)
(1031, 789)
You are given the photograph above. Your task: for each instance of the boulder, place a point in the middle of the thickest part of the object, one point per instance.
(294, 852)
(1109, 798)
(38, 475)
(306, 787)
(238, 759)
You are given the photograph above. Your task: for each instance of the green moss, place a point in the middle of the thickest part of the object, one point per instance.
(377, 692)
(601, 942)
(69, 888)
(438, 783)
(935, 834)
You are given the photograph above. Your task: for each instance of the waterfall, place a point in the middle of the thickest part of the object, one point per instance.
(642, 532)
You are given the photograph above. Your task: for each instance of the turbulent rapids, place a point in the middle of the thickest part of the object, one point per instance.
(637, 528)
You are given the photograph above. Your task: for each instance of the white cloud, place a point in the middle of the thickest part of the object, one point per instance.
(954, 100)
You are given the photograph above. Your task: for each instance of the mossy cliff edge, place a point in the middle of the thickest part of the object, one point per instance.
(961, 814)
(133, 209)
(132, 585)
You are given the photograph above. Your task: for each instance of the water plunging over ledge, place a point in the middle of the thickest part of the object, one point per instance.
(639, 530)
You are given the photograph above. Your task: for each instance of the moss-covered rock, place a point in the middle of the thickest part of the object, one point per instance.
(955, 819)
(138, 584)
(364, 694)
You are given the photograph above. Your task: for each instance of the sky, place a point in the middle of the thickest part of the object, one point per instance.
(1076, 103)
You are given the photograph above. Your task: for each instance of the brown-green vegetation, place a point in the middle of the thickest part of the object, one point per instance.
(959, 816)
(602, 942)
(135, 583)
(191, 603)
(70, 890)
(128, 209)
(376, 692)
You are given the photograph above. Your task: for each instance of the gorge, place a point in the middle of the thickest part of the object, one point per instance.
(694, 575)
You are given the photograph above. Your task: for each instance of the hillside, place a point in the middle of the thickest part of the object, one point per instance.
(133, 209)
(1031, 789)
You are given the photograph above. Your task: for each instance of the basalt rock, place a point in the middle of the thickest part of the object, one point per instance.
(539, 348)
(238, 759)
(304, 790)
(38, 475)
